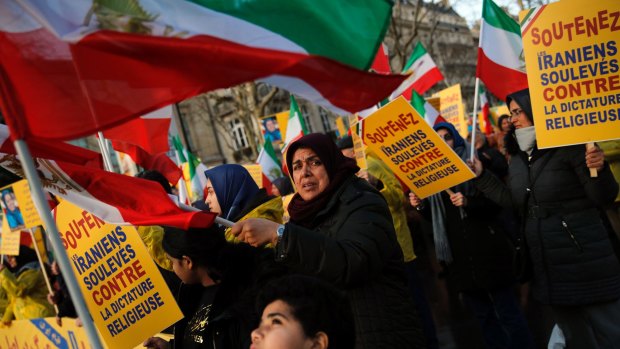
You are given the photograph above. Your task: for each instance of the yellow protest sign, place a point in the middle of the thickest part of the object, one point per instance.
(256, 171)
(342, 131)
(451, 108)
(18, 207)
(412, 149)
(571, 56)
(10, 240)
(43, 333)
(124, 292)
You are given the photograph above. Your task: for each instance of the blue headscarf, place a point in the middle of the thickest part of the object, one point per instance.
(233, 186)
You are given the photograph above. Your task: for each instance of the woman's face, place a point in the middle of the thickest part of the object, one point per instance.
(309, 173)
(517, 116)
(183, 270)
(211, 199)
(505, 124)
(446, 136)
(10, 202)
(275, 191)
(12, 261)
(279, 329)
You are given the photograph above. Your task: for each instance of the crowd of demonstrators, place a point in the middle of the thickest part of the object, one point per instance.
(382, 178)
(503, 126)
(23, 282)
(476, 253)
(303, 312)
(220, 283)
(341, 231)
(234, 195)
(564, 245)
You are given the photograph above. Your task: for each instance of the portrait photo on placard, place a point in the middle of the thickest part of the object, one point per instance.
(10, 208)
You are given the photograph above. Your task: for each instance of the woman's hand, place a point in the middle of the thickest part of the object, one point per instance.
(156, 343)
(476, 166)
(414, 200)
(458, 199)
(256, 231)
(595, 158)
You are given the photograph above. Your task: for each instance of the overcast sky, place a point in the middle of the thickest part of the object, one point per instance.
(471, 10)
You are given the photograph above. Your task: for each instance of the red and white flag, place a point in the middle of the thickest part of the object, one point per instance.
(69, 68)
(423, 73)
(381, 64)
(115, 198)
(500, 52)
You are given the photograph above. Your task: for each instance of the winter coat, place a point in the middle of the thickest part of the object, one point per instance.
(27, 294)
(393, 194)
(353, 245)
(481, 251)
(572, 258)
(612, 155)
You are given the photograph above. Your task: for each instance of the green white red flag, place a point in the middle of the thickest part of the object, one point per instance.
(71, 67)
(296, 126)
(270, 165)
(485, 125)
(423, 73)
(500, 52)
(425, 109)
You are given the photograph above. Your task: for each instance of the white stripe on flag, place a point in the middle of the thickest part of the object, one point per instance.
(501, 46)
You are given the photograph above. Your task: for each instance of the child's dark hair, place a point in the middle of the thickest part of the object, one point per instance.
(318, 306)
(204, 246)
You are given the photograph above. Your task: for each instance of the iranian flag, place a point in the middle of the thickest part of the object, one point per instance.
(381, 64)
(270, 165)
(115, 198)
(426, 110)
(423, 74)
(296, 127)
(72, 67)
(500, 52)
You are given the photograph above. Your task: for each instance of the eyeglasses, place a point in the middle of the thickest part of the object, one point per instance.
(515, 113)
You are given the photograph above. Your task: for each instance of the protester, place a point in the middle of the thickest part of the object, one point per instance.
(476, 254)
(232, 193)
(572, 264)
(25, 286)
(503, 126)
(490, 157)
(341, 231)
(61, 297)
(220, 283)
(383, 179)
(303, 312)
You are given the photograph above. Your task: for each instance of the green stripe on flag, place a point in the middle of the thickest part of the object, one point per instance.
(176, 141)
(418, 51)
(527, 16)
(495, 16)
(347, 31)
(417, 102)
(300, 117)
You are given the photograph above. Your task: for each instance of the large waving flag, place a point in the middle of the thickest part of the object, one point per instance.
(426, 110)
(423, 73)
(115, 198)
(500, 52)
(296, 126)
(71, 67)
(270, 165)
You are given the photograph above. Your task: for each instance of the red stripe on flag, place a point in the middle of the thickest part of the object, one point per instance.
(159, 162)
(149, 134)
(424, 83)
(499, 80)
(124, 75)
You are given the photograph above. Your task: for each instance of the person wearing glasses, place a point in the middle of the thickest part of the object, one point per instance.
(564, 244)
(474, 250)
(341, 231)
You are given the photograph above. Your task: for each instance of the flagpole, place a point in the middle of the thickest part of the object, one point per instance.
(473, 121)
(107, 160)
(45, 276)
(219, 220)
(38, 197)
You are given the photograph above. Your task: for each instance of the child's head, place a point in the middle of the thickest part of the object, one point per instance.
(303, 312)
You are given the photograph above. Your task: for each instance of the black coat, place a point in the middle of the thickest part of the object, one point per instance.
(353, 245)
(573, 261)
(481, 251)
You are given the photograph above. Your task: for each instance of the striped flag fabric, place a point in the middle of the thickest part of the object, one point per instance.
(423, 74)
(115, 198)
(296, 127)
(500, 52)
(381, 64)
(424, 108)
(485, 125)
(72, 67)
(270, 165)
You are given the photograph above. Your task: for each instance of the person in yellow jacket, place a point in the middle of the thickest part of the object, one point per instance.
(25, 287)
(612, 155)
(383, 179)
(234, 195)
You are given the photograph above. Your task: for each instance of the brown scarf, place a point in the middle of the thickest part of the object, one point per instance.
(339, 168)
